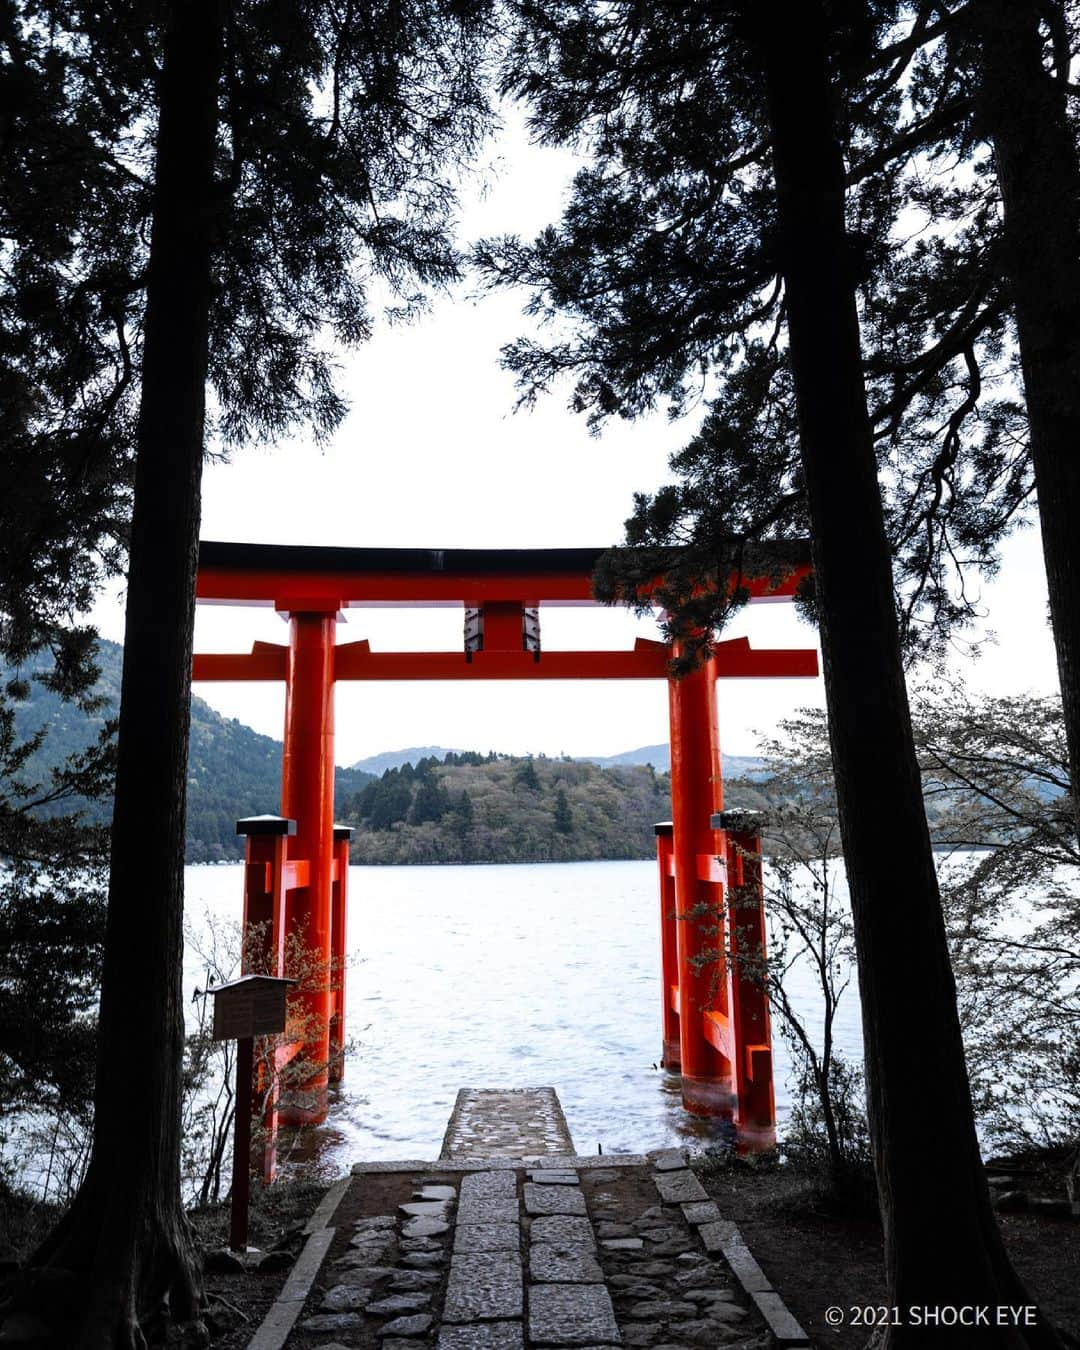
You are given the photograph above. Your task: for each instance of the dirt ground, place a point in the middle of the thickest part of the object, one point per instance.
(238, 1300)
(818, 1260)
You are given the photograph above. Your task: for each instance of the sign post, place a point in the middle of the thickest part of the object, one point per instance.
(251, 1006)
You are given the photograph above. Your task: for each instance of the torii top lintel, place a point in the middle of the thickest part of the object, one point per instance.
(501, 585)
(295, 577)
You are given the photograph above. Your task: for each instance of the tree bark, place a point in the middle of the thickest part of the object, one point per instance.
(1022, 110)
(943, 1248)
(126, 1239)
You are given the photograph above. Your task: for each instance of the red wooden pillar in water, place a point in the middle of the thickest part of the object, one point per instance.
(696, 793)
(755, 1116)
(307, 795)
(265, 921)
(669, 947)
(264, 892)
(339, 901)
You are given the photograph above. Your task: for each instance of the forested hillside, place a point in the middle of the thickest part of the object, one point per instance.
(232, 770)
(469, 807)
(489, 808)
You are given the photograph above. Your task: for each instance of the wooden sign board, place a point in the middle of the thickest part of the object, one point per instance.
(251, 1006)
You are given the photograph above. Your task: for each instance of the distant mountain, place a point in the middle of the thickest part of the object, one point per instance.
(232, 770)
(659, 756)
(394, 759)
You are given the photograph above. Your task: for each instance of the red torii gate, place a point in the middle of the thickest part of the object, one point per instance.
(716, 1024)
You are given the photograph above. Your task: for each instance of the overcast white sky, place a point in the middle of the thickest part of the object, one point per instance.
(432, 455)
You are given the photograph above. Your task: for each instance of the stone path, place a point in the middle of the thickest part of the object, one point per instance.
(521, 1253)
(506, 1123)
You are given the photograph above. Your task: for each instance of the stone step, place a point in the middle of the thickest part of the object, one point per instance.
(506, 1123)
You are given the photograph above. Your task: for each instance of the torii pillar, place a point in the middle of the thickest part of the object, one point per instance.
(307, 796)
(708, 1087)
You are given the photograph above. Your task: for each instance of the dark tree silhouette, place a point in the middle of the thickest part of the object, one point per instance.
(911, 1042)
(1023, 53)
(68, 214)
(300, 158)
(710, 222)
(525, 775)
(563, 818)
(126, 1234)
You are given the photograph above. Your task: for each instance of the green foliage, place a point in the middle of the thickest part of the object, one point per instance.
(476, 808)
(525, 775)
(430, 802)
(52, 881)
(563, 817)
(52, 927)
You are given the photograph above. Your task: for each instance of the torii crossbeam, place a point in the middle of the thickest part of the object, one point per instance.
(725, 1061)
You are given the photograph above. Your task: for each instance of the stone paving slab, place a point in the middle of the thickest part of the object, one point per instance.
(482, 1336)
(677, 1187)
(698, 1212)
(785, 1329)
(572, 1314)
(405, 1281)
(324, 1211)
(487, 1237)
(714, 1235)
(422, 1226)
(746, 1270)
(550, 1264)
(562, 1230)
(347, 1298)
(552, 1199)
(489, 1186)
(484, 1286)
(393, 1304)
(669, 1159)
(489, 1211)
(415, 1324)
(346, 1321)
(431, 1209)
(576, 1161)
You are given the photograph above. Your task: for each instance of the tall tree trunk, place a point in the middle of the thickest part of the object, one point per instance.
(942, 1243)
(126, 1238)
(1022, 110)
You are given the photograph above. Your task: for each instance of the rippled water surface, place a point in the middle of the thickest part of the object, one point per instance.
(502, 976)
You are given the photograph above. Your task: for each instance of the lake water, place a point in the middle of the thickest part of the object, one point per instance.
(502, 976)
